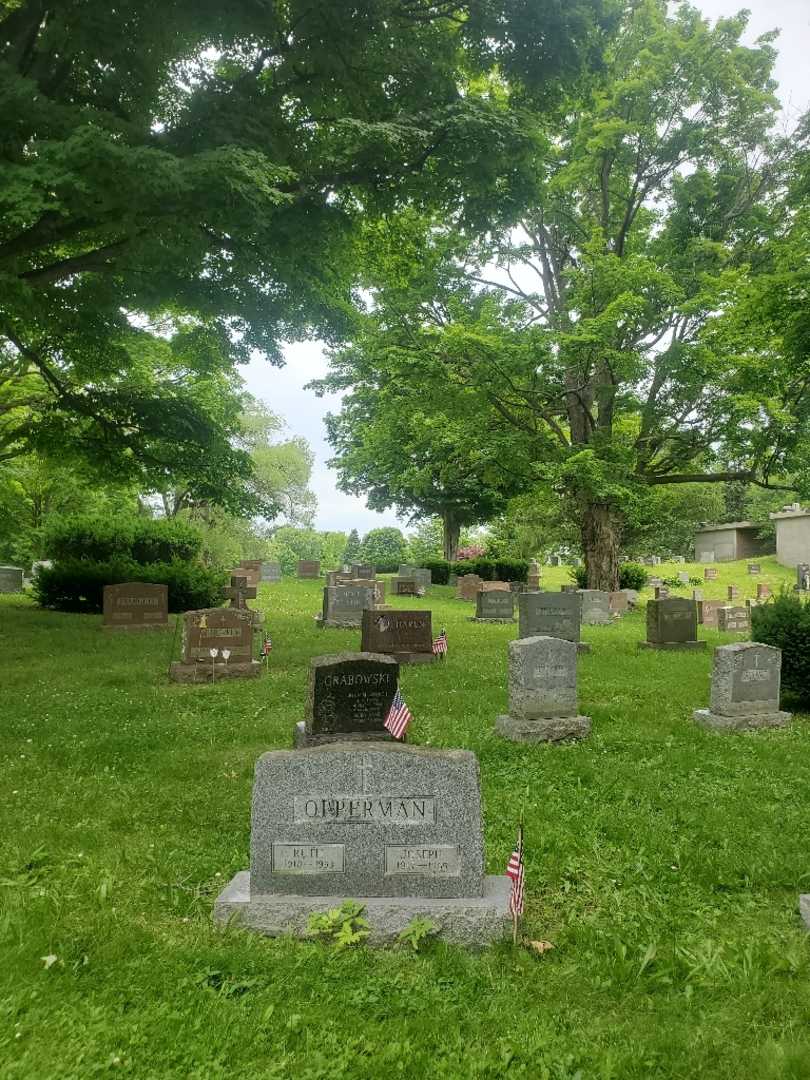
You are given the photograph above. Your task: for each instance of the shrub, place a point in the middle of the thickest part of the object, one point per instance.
(384, 547)
(494, 569)
(631, 576)
(785, 623)
(78, 584)
(439, 570)
(136, 539)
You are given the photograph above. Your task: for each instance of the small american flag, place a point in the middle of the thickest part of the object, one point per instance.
(515, 871)
(399, 716)
(267, 645)
(440, 644)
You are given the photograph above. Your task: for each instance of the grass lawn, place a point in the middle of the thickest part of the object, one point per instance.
(663, 862)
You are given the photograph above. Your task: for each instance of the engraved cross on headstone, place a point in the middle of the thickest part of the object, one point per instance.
(238, 592)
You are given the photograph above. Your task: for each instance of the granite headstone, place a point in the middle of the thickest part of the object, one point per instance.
(542, 692)
(745, 689)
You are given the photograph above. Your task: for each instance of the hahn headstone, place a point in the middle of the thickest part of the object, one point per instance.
(745, 689)
(396, 828)
(542, 692)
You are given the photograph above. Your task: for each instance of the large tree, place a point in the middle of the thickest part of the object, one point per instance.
(198, 168)
(595, 331)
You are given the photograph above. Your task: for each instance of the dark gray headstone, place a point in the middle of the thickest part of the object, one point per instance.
(595, 607)
(343, 605)
(549, 615)
(350, 695)
(672, 623)
(495, 606)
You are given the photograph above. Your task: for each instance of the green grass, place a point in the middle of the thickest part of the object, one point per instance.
(663, 862)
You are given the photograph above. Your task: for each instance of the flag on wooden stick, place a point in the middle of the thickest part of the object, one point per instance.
(440, 644)
(399, 716)
(267, 645)
(515, 871)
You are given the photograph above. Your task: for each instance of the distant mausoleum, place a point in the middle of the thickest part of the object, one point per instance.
(734, 540)
(792, 535)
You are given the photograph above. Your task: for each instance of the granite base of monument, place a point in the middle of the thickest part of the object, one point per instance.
(549, 729)
(302, 738)
(336, 624)
(414, 657)
(474, 618)
(201, 673)
(750, 722)
(677, 646)
(471, 921)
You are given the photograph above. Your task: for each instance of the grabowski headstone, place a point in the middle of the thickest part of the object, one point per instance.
(343, 606)
(271, 571)
(309, 568)
(711, 573)
(135, 605)
(595, 607)
(551, 615)
(745, 689)
(542, 692)
(396, 828)
(405, 635)
(11, 579)
(672, 624)
(350, 695)
(708, 612)
(734, 620)
(468, 586)
(229, 629)
(494, 606)
(754, 568)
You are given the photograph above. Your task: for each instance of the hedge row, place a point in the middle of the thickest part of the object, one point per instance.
(78, 584)
(140, 540)
(784, 622)
(631, 576)
(487, 569)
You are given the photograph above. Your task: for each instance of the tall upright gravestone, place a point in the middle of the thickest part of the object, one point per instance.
(672, 624)
(135, 605)
(309, 569)
(745, 689)
(595, 607)
(468, 586)
(397, 828)
(350, 695)
(271, 572)
(551, 615)
(542, 692)
(217, 631)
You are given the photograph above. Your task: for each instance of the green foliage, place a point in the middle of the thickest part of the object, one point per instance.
(384, 548)
(289, 544)
(417, 933)
(78, 584)
(494, 569)
(138, 539)
(784, 622)
(352, 550)
(440, 570)
(342, 926)
(631, 576)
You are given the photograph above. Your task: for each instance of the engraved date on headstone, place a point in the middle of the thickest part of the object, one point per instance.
(308, 859)
(442, 860)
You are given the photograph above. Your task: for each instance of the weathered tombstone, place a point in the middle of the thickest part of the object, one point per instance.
(350, 695)
(656, 582)
(734, 620)
(271, 571)
(632, 597)
(468, 586)
(711, 573)
(595, 607)
(377, 584)
(363, 570)
(569, 588)
(406, 587)
(422, 577)
(732, 592)
(11, 579)
(679, 558)
(135, 605)
(252, 568)
(745, 689)
(656, 560)
(495, 586)
(683, 577)
(619, 602)
(309, 568)
(554, 560)
(533, 579)
(803, 577)
(405, 635)
(697, 594)
(219, 630)
(754, 568)
(542, 692)
(396, 828)
(763, 590)
(405, 570)
(661, 592)
(708, 612)
(494, 606)
(551, 615)
(343, 606)
(672, 624)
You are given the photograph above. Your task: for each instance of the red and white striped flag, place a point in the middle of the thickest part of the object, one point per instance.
(267, 645)
(399, 716)
(515, 871)
(440, 644)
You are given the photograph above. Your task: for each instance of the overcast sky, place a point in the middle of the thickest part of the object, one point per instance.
(283, 389)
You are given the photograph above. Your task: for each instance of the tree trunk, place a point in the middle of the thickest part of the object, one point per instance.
(451, 531)
(601, 534)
